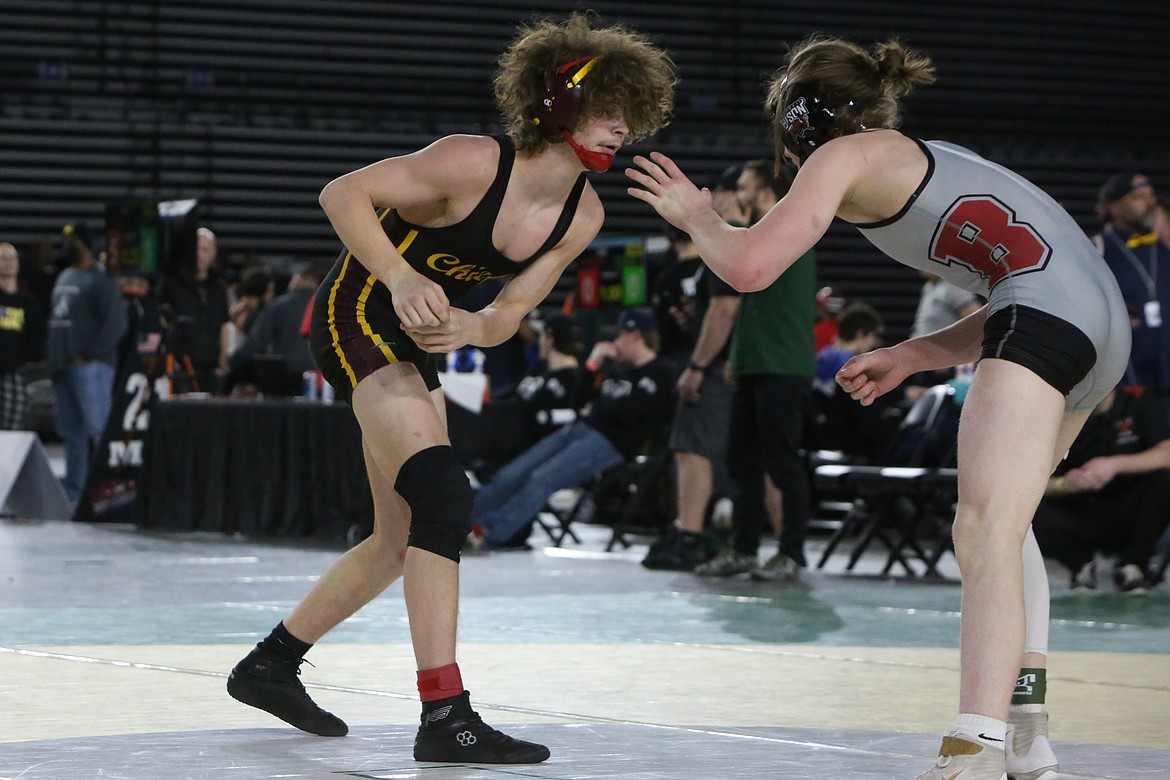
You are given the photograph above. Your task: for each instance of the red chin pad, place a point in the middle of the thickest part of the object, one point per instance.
(597, 162)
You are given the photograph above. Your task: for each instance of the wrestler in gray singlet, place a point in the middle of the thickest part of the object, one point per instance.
(988, 230)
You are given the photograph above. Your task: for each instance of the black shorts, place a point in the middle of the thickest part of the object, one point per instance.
(354, 330)
(1055, 350)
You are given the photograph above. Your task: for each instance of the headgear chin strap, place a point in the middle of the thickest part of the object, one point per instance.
(597, 162)
(560, 109)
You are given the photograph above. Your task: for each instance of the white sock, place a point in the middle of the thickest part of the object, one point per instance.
(981, 729)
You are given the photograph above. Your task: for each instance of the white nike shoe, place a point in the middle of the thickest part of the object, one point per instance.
(961, 759)
(1029, 753)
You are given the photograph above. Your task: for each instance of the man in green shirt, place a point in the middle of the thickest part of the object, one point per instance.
(772, 358)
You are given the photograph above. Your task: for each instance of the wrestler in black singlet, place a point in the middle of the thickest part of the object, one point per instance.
(355, 330)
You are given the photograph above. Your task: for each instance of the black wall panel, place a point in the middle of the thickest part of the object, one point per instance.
(253, 105)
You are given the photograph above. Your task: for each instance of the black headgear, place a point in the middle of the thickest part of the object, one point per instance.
(808, 121)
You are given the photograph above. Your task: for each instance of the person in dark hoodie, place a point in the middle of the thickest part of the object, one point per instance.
(87, 320)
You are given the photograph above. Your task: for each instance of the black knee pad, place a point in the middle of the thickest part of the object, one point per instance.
(436, 488)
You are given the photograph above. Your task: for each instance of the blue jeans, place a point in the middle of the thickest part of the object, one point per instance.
(84, 395)
(567, 458)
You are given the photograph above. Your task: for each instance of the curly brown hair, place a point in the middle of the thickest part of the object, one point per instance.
(633, 78)
(842, 71)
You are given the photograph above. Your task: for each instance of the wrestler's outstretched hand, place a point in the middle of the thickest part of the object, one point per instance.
(667, 189)
(872, 374)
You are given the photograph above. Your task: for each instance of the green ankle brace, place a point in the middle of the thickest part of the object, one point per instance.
(1030, 687)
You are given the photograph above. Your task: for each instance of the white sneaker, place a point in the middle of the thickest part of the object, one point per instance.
(1085, 579)
(727, 563)
(1029, 753)
(961, 759)
(779, 568)
(1131, 580)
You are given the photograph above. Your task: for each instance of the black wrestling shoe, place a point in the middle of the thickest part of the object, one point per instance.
(266, 682)
(451, 732)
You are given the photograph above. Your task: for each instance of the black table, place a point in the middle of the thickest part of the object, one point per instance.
(282, 467)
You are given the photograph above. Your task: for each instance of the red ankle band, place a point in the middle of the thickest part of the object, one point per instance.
(441, 683)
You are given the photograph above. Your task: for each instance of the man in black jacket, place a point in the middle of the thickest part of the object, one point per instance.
(1110, 493)
(635, 399)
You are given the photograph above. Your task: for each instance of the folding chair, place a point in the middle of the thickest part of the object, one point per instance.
(636, 484)
(619, 496)
(557, 517)
(893, 504)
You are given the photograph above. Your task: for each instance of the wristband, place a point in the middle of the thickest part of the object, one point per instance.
(696, 367)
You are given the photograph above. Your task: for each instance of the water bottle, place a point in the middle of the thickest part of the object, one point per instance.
(309, 381)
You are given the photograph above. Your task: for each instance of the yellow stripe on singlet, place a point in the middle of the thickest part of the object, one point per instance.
(376, 338)
(332, 320)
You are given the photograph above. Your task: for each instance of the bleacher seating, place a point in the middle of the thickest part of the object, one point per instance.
(253, 105)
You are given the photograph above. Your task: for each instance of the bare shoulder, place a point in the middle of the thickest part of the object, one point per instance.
(589, 218)
(460, 161)
(883, 167)
(590, 209)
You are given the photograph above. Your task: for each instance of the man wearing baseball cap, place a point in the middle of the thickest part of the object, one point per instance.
(1127, 205)
(634, 400)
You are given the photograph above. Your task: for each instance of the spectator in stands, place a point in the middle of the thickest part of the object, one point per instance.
(1162, 220)
(86, 323)
(772, 361)
(22, 338)
(554, 393)
(835, 421)
(940, 305)
(276, 341)
(830, 302)
(1051, 342)
(675, 297)
(858, 330)
(547, 397)
(194, 303)
(725, 198)
(255, 290)
(1128, 207)
(679, 296)
(634, 401)
(421, 230)
(1111, 493)
(701, 422)
(506, 363)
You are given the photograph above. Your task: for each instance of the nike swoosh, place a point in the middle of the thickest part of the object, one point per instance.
(989, 739)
